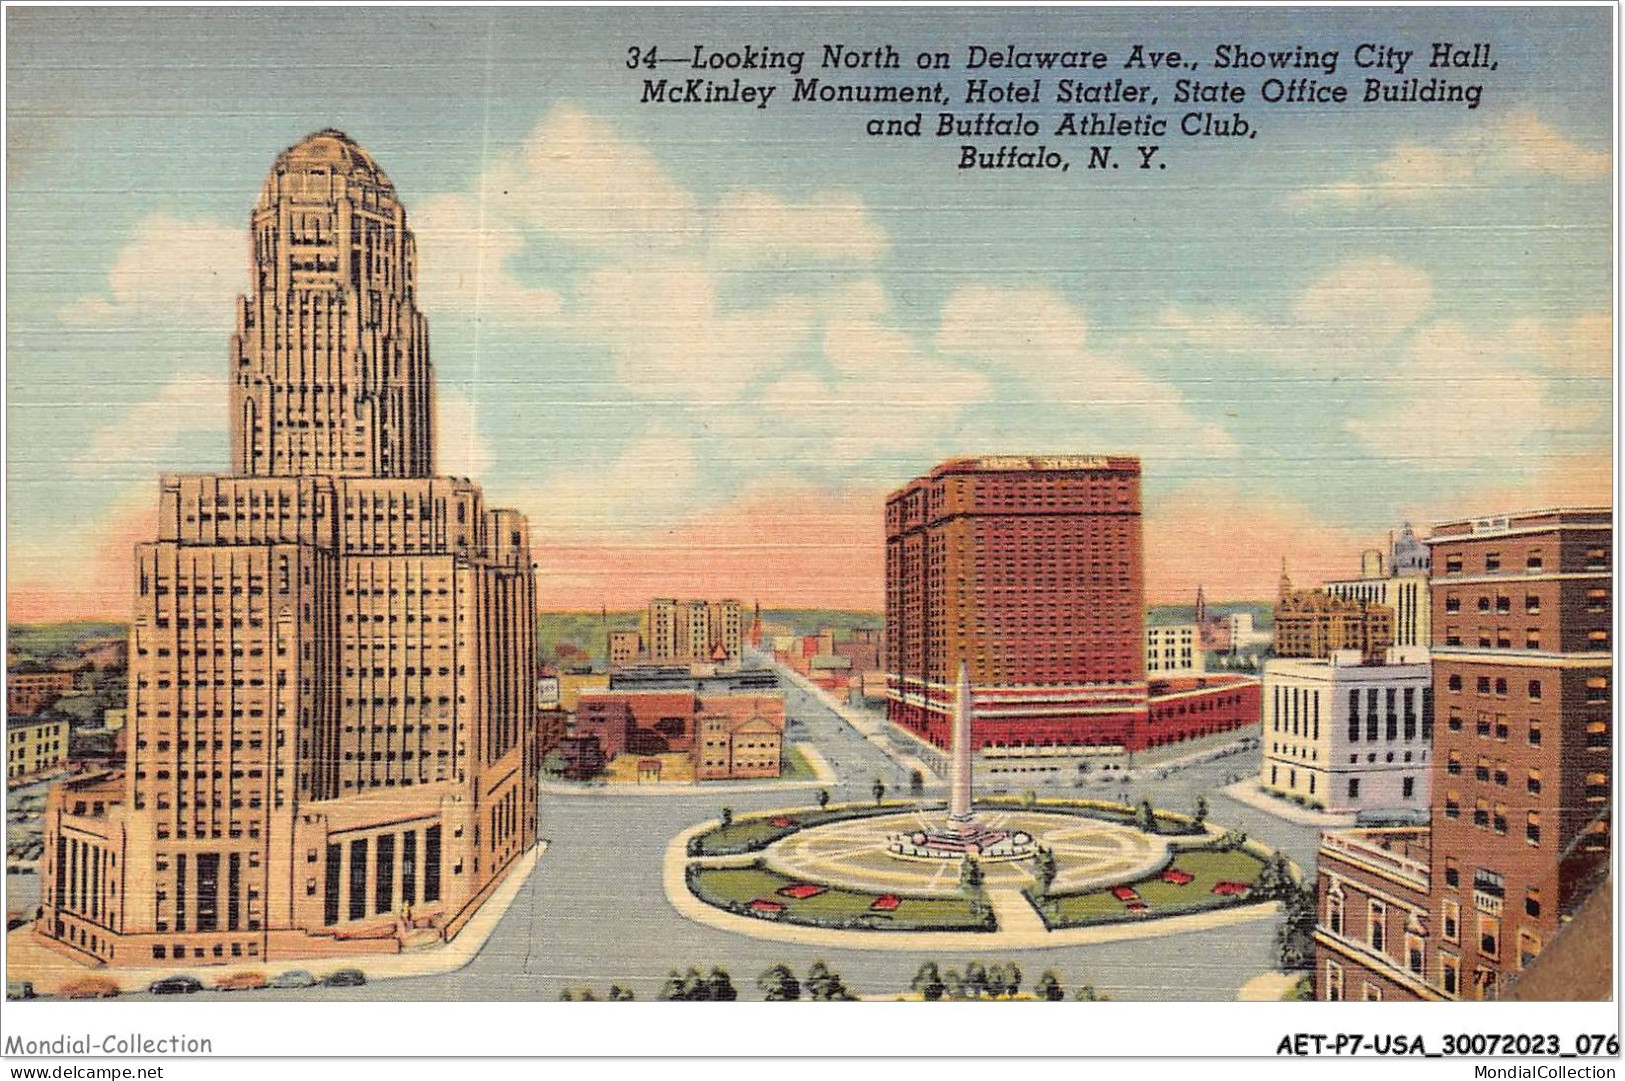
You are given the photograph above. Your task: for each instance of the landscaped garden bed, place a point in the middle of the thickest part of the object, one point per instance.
(761, 893)
(1194, 880)
(752, 833)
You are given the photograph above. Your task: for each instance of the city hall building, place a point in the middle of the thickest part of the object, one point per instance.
(332, 659)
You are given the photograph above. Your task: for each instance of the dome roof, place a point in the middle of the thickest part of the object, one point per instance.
(332, 148)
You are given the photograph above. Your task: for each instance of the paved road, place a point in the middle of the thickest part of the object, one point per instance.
(594, 912)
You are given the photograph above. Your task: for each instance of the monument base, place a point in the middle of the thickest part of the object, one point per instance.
(957, 840)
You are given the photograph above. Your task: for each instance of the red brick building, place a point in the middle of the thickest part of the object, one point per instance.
(1522, 766)
(31, 689)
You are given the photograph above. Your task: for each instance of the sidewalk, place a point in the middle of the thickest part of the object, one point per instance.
(27, 958)
(1248, 792)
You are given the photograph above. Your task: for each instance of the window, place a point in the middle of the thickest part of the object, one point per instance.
(1376, 932)
(1531, 902)
(1528, 949)
(1453, 683)
(1531, 603)
(1334, 982)
(1596, 787)
(1482, 771)
(1452, 871)
(1452, 803)
(1354, 788)
(1452, 564)
(1489, 935)
(1534, 733)
(1452, 603)
(1533, 783)
(1531, 829)
(1413, 953)
(1596, 600)
(1373, 993)
(1499, 818)
(1597, 639)
(1407, 788)
(1492, 561)
(1334, 911)
(1481, 813)
(1450, 911)
(1534, 561)
(1449, 973)
(1597, 690)
(1531, 638)
(1597, 735)
(1453, 764)
(1534, 690)
(1596, 559)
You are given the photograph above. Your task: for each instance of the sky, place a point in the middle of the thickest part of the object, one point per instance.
(698, 346)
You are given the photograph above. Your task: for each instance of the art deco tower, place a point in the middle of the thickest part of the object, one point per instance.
(332, 664)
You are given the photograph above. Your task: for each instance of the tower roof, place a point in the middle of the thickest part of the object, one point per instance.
(334, 149)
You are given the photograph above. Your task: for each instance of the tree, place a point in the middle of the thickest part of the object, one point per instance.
(1049, 987)
(554, 763)
(970, 875)
(1295, 938)
(722, 986)
(879, 790)
(928, 982)
(953, 984)
(823, 798)
(1274, 880)
(617, 993)
(727, 816)
(1200, 814)
(779, 984)
(1030, 797)
(916, 782)
(996, 985)
(824, 984)
(672, 989)
(1087, 993)
(695, 987)
(975, 979)
(1046, 868)
(1012, 979)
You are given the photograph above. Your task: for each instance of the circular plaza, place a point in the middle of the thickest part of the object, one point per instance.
(849, 876)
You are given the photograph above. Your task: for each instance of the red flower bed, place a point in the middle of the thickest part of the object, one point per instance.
(1231, 888)
(886, 902)
(762, 904)
(1137, 906)
(783, 821)
(1177, 877)
(1125, 893)
(801, 891)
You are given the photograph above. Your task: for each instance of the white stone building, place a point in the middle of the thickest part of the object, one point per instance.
(1347, 737)
(1172, 651)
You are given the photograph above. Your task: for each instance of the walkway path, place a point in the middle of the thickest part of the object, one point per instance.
(1015, 915)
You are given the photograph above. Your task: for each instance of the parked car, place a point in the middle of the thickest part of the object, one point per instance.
(19, 989)
(344, 977)
(90, 987)
(240, 981)
(295, 977)
(176, 985)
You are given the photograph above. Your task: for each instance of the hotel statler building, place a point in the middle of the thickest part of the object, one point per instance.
(332, 668)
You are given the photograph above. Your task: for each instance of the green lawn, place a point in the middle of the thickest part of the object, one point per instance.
(796, 767)
(758, 831)
(734, 888)
(1163, 898)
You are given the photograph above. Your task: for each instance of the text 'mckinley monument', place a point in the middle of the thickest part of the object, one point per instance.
(332, 664)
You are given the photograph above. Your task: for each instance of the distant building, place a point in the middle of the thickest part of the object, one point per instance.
(1212, 629)
(1189, 707)
(34, 746)
(1172, 651)
(1314, 623)
(547, 692)
(114, 719)
(102, 654)
(1348, 736)
(31, 688)
(738, 737)
(1400, 585)
(695, 630)
(625, 647)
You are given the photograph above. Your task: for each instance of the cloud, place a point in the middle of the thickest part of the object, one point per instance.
(170, 272)
(1465, 401)
(1363, 299)
(141, 441)
(1036, 334)
(576, 178)
(673, 338)
(460, 451)
(756, 228)
(653, 481)
(464, 257)
(1519, 144)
